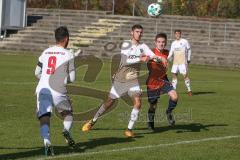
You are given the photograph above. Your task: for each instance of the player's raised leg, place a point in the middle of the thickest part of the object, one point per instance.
(104, 107)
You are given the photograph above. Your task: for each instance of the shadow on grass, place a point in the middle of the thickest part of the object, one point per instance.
(82, 146)
(181, 128)
(200, 93)
(35, 152)
(196, 93)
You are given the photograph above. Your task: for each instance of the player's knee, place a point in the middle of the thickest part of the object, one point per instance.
(68, 118)
(109, 103)
(66, 113)
(174, 76)
(185, 76)
(137, 101)
(45, 118)
(152, 101)
(173, 96)
(152, 107)
(137, 104)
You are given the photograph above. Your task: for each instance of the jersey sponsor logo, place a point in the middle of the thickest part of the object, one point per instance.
(178, 49)
(133, 56)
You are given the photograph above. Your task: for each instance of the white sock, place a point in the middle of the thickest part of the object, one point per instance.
(174, 83)
(67, 123)
(133, 118)
(46, 142)
(187, 83)
(100, 111)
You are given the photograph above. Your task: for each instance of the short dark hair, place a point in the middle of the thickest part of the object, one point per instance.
(136, 26)
(61, 33)
(161, 35)
(178, 30)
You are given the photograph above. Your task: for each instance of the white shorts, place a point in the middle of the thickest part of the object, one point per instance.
(45, 103)
(120, 88)
(181, 68)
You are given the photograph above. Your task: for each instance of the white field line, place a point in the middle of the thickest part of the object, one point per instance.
(141, 147)
(207, 81)
(30, 83)
(16, 83)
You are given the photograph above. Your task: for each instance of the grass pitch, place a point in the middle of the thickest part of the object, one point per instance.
(207, 126)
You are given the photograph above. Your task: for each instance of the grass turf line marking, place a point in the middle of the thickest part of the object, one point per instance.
(141, 147)
(30, 83)
(17, 83)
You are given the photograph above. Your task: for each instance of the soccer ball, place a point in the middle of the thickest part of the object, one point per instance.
(154, 9)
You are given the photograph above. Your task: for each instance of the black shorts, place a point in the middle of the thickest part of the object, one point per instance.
(154, 94)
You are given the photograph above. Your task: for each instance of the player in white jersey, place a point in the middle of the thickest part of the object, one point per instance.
(55, 69)
(126, 78)
(181, 52)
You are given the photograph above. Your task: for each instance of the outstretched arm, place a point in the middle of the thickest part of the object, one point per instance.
(70, 78)
(71, 70)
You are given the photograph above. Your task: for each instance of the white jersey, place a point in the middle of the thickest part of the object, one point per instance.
(130, 60)
(57, 63)
(181, 51)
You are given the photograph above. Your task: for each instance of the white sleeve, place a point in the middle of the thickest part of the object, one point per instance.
(40, 59)
(70, 78)
(71, 70)
(38, 71)
(71, 63)
(75, 53)
(171, 52)
(189, 52)
(148, 52)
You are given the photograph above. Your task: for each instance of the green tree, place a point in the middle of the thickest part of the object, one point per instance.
(177, 7)
(229, 9)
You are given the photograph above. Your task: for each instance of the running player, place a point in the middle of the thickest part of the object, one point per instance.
(55, 69)
(126, 78)
(181, 52)
(158, 83)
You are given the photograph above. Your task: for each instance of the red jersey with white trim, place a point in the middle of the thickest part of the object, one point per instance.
(157, 70)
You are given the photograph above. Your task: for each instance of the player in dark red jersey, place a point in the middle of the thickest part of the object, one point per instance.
(158, 83)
